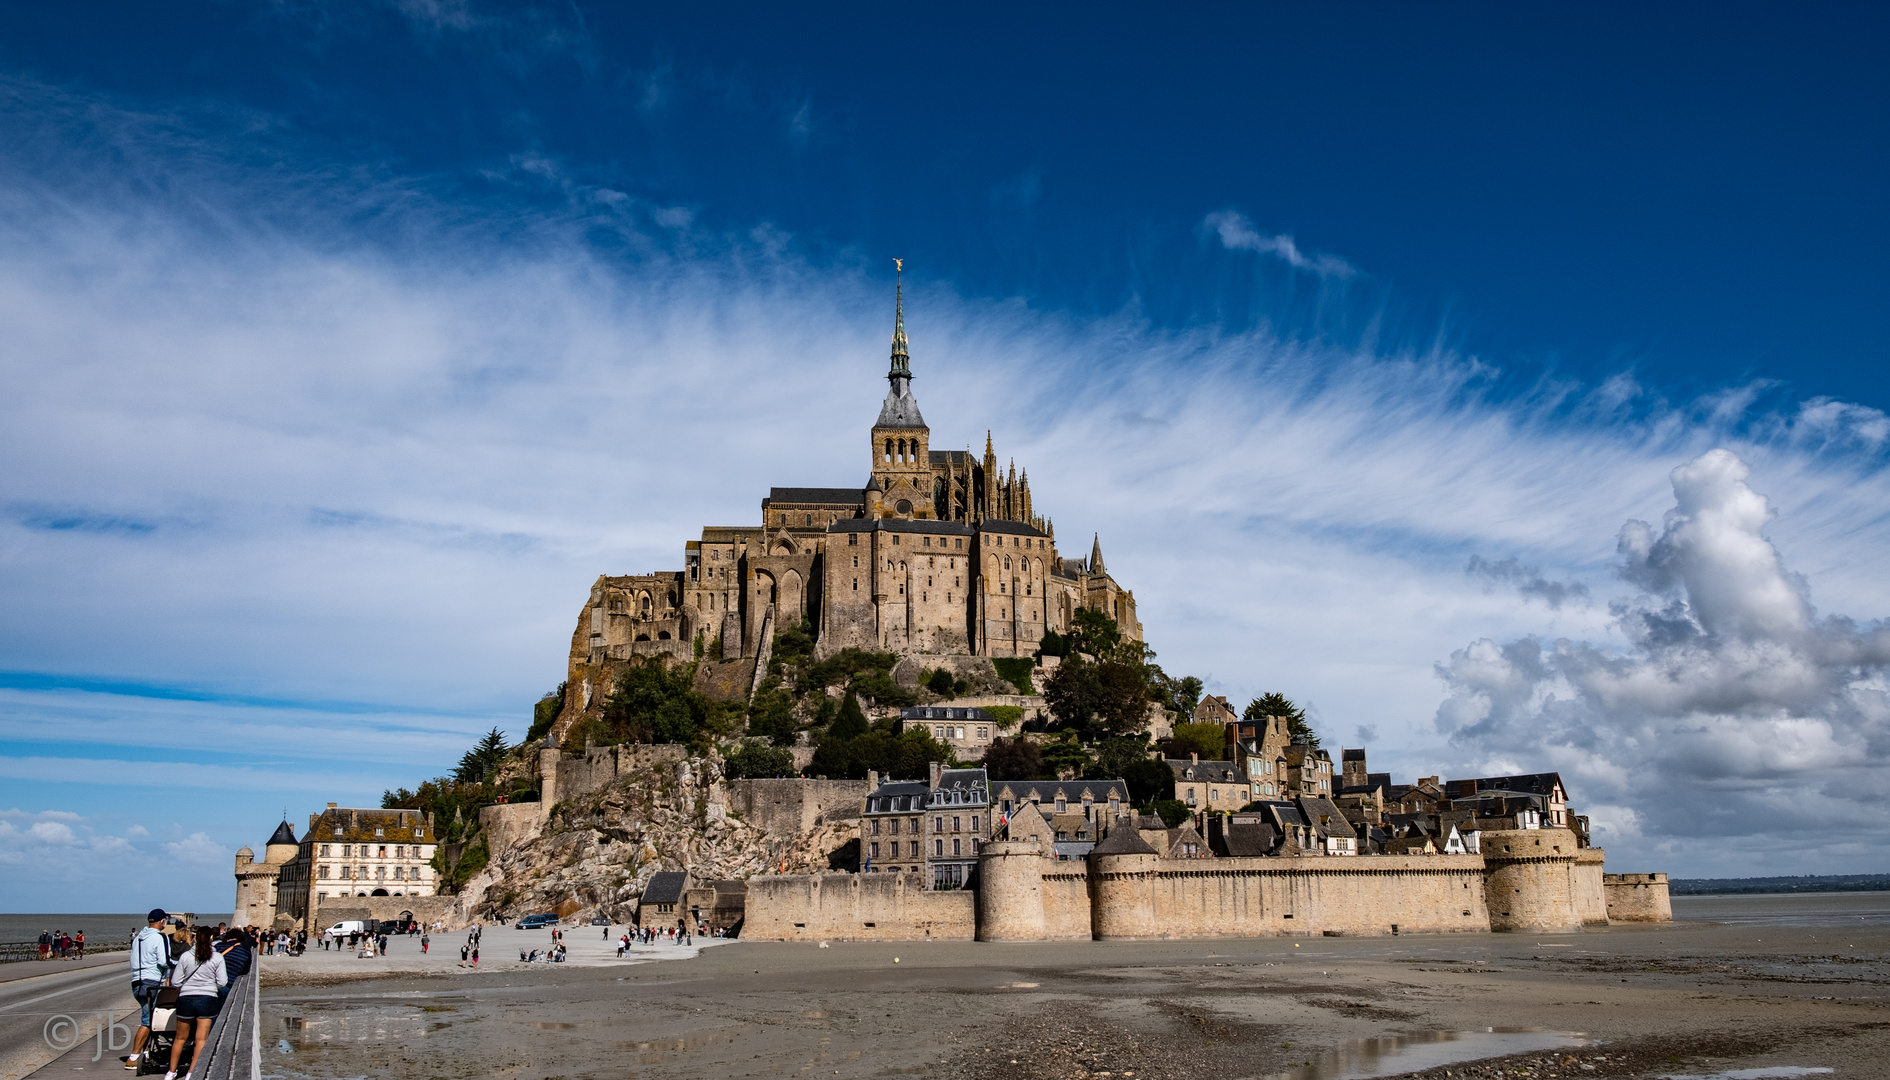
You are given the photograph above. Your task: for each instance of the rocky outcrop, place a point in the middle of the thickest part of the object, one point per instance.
(595, 848)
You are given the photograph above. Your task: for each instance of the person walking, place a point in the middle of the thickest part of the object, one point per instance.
(199, 977)
(464, 951)
(475, 957)
(234, 948)
(425, 940)
(150, 966)
(79, 943)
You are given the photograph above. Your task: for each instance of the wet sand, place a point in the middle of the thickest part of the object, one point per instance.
(1794, 981)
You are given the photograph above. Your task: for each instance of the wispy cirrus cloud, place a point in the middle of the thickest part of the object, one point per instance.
(1237, 233)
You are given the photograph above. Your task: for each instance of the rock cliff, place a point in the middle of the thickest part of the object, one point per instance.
(617, 815)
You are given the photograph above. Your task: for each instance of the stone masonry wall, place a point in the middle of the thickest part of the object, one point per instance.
(1590, 896)
(794, 806)
(1638, 898)
(859, 907)
(1271, 897)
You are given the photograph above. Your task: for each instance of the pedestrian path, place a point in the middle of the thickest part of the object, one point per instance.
(499, 948)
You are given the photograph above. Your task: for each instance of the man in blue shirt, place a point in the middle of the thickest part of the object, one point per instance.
(150, 963)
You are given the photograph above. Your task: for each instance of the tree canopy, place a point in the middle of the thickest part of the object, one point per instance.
(478, 763)
(1275, 704)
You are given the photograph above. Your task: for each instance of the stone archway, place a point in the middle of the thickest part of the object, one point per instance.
(378, 892)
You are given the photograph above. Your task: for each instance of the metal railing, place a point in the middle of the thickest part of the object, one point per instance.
(11, 951)
(235, 1050)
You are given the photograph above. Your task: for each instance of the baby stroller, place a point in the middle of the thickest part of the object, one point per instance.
(157, 1049)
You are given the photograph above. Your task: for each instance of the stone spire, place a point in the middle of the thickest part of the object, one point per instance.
(900, 409)
(901, 360)
(1095, 555)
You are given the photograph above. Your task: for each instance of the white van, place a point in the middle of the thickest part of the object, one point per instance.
(345, 927)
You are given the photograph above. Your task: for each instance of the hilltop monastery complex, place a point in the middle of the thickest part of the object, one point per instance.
(942, 555)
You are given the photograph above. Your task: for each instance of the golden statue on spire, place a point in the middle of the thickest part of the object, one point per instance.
(899, 266)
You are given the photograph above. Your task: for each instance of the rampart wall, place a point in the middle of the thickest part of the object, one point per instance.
(1541, 884)
(1638, 898)
(872, 907)
(796, 807)
(425, 909)
(1589, 894)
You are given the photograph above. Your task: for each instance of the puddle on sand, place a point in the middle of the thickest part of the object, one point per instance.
(1770, 1072)
(1388, 1054)
(552, 1025)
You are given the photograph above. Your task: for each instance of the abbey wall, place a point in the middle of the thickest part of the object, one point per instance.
(1534, 880)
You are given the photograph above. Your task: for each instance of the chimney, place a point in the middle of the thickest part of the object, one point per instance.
(872, 779)
(1194, 757)
(331, 806)
(935, 769)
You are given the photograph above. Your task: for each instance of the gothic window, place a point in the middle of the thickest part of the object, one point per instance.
(889, 449)
(1007, 563)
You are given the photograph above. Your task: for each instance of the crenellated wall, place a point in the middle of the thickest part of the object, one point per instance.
(1530, 880)
(1638, 898)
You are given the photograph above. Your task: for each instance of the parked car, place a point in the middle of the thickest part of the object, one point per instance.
(345, 927)
(536, 922)
(600, 921)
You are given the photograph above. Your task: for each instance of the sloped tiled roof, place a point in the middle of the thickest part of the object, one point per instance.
(665, 888)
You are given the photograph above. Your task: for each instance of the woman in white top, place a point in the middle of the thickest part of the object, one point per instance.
(198, 974)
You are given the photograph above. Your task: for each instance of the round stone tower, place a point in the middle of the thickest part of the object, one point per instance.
(1010, 892)
(282, 847)
(1529, 880)
(1122, 887)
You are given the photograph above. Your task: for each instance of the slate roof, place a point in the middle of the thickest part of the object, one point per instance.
(665, 888)
(910, 790)
(354, 825)
(1248, 840)
(1123, 842)
(942, 712)
(1045, 791)
(812, 496)
(899, 410)
(1543, 784)
(1022, 529)
(1207, 772)
(900, 525)
(282, 835)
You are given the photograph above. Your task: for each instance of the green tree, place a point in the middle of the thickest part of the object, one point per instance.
(654, 703)
(1181, 695)
(755, 761)
(545, 713)
(771, 716)
(1094, 632)
(1280, 705)
(1115, 756)
(1066, 753)
(833, 751)
(1208, 740)
(1052, 644)
(1149, 782)
(1013, 759)
(479, 762)
(1172, 812)
(940, 682)
(1109, 697)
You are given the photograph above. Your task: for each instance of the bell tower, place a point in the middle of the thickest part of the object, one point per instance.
(902, 461)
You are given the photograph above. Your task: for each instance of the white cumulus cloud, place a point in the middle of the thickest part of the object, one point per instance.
(1732, 710)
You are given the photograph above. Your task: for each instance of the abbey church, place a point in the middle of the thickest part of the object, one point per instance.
(938, 552)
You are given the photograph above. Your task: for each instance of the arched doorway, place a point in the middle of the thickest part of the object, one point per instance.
(378, 892)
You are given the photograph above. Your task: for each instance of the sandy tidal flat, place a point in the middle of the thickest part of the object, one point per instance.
(1777, 982)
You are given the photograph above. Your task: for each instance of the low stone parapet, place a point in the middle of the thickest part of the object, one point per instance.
(1638, 898)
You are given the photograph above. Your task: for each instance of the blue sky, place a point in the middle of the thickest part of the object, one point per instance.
(348, 342)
